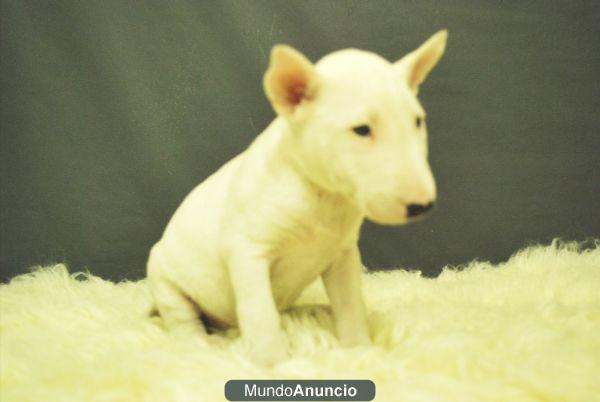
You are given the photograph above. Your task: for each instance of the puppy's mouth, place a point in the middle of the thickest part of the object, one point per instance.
(416, 212)
(387, 211)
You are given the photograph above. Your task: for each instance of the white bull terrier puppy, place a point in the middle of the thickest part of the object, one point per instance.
(349, 143)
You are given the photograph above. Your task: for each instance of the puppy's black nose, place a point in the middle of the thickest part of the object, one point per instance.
(418, 209)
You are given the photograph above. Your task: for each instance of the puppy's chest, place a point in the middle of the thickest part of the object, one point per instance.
(315, 234)
(298, 264)
(308, 248)
(315, 247)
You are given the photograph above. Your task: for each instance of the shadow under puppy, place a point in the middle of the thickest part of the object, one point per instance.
(349, 143)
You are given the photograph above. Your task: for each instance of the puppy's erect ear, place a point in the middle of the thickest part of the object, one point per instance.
(416, 65)
(289, 80)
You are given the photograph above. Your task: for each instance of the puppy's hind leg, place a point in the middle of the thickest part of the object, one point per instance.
(179, 313)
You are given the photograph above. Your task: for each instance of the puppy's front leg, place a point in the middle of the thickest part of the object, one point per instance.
(343, 285)
(257, 314)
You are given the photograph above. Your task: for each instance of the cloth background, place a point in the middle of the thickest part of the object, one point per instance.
(112, 111)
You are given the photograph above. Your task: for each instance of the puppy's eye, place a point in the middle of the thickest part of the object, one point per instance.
(418, 121)
(363, 130)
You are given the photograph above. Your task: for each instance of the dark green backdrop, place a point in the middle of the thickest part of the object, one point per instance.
(112, 111)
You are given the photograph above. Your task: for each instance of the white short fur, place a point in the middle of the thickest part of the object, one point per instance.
(246, 242)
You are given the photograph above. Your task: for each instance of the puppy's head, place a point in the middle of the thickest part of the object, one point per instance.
(357, 126)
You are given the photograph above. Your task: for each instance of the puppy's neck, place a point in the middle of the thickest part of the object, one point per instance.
(317, 182)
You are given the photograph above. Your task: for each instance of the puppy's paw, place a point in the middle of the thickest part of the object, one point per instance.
(269, 352)
(352, 339)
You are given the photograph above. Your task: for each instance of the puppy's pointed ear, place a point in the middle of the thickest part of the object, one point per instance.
(416, 65)
(289, 80)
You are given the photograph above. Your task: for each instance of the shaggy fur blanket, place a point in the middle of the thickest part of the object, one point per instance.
(524, 330)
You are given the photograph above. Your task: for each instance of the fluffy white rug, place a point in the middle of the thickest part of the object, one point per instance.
(525, 330)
